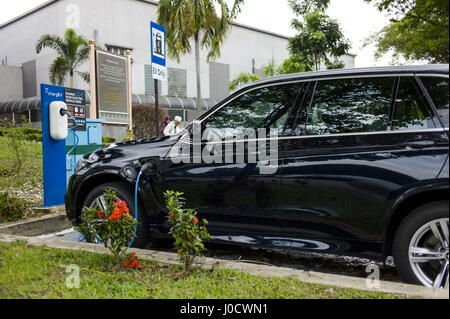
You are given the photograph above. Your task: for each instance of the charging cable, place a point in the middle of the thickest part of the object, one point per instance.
(77, 139)
(136, 191)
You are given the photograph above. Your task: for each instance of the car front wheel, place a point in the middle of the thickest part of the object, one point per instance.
(96, 199)
(421, 246)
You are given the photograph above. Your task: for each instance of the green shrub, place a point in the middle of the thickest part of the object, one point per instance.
(11, 208)
(186, 229)
(32, 134)
(144, 120)
(113, 226)
(15, 135)
(29, 134)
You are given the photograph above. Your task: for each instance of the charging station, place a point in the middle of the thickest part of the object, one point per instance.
(66, 136)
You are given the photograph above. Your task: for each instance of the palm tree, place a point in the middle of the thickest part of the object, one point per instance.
(184, 19)
(72, 51)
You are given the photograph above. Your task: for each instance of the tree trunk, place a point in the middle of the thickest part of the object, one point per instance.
(197, 64)
(71, 79)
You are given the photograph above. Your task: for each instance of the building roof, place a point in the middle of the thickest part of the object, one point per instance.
(27, 13)
(47, 3)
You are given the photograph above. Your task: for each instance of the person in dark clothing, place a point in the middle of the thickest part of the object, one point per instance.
(164, 124)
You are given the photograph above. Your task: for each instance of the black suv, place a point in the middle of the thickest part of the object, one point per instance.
(362, 169)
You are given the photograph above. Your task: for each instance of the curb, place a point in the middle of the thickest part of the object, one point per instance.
(54, 222)
(410, 291)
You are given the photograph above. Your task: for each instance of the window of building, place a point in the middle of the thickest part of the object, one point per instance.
(438, 90)
(219, 79)
(411, 107)
(117, 49)
(177, 79)
(350, 106)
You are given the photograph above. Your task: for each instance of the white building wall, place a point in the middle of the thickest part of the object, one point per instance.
(126, 23)
(10, 83)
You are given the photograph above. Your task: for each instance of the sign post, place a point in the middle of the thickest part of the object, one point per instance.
(156, 108)
(110, 84)
(112, 87)
(159, 69)
(93, 80)
(130, 98)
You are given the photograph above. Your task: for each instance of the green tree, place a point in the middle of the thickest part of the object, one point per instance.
(198, 19)
(290, 65)
(72, 50)
(418, 30)
(242, 79)
(293, 64)
(318, 37)
(303, 7)
(336, 64)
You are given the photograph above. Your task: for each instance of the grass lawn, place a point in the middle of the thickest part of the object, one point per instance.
(27, 184)
(39, 272)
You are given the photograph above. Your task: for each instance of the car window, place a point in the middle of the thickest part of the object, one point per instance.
(438, 90)
(295, 125)
(411, 110)
(350, 105)
(267, 107)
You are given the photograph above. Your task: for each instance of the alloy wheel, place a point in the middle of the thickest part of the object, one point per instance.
(428, 253)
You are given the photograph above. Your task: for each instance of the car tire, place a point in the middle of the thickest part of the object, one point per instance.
(421, 257)
(124, 193)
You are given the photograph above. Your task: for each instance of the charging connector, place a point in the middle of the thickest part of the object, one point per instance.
(73, 164)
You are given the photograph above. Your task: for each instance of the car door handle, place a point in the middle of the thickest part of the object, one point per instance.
(418, 144)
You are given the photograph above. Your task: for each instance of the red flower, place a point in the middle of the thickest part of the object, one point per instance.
(116, 215)
(132, 262)
(100, 214)
(121, 205)
(195, 220)
(171, 216)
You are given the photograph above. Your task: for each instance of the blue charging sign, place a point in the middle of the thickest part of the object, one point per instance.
(158, 48)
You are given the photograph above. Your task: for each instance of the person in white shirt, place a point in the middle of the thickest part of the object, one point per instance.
(173, 128)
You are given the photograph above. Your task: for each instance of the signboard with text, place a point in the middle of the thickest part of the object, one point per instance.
(76, 105)
(158, 50)
(112, 87)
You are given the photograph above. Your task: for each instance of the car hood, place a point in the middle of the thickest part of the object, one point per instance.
(134, 150)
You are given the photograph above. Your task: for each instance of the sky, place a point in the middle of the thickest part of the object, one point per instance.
(357, 18)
